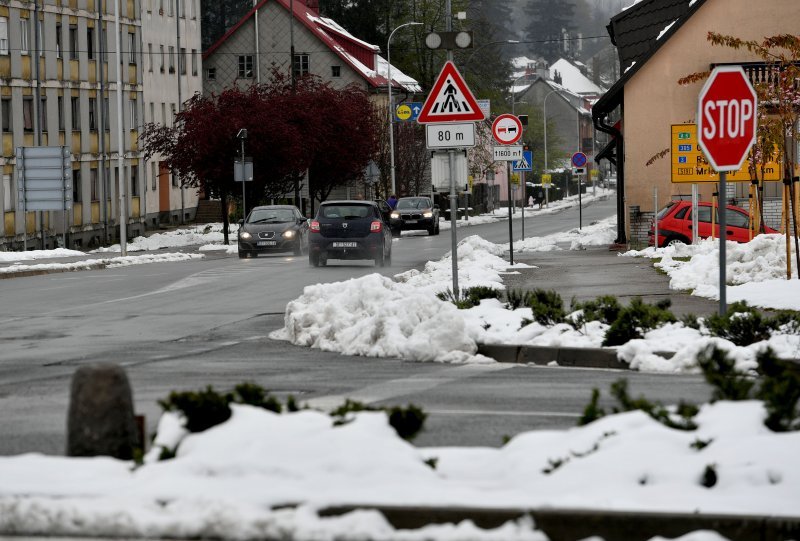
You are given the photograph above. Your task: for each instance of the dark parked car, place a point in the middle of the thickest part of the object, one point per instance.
(415, 213)
(675, 223)
(273, 228)
(350, 230)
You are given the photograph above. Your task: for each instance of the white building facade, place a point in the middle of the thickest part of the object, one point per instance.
(172, 74)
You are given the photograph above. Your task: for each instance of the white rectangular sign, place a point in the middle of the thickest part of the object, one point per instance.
(450, 135)
(508, 153)
(440, 170)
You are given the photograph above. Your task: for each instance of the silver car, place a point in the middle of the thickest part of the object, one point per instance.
(273, 228)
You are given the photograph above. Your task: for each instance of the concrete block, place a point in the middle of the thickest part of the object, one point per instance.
(101, 419)
(500, 352)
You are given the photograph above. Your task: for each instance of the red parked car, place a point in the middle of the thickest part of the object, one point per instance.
(675, 223)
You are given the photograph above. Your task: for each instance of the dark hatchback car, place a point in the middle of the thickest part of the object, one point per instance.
(415, 213)
(675, 223)
(273, 228)
(350, 230)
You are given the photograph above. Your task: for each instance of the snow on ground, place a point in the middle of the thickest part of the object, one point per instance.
(755, 271)
(191, 236)
(104, 261)
(31, 255)
(235, 480)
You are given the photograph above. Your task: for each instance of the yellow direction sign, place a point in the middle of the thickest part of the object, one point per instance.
(403, 112)
(515, 179)
(547, 179)
(690, 165)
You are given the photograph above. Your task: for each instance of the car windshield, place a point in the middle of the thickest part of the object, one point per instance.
(663, 212)
(260, 216)
(346, 212)
(416, 203)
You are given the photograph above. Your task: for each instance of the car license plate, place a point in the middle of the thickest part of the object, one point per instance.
(267, 242)
(345, 244)
(411, 221)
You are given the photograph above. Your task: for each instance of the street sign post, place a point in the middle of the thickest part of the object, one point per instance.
(526, 163)
(578, 159)
(460, 135)
(726, 130)
(450, 99)
(506, 129)
(45, 175)
(508, 153)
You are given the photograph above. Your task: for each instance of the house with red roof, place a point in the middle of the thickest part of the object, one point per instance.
(263, 39)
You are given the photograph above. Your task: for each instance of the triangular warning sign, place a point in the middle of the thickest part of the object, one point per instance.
(450, 99)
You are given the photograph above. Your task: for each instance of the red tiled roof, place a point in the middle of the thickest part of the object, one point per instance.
(337, 41)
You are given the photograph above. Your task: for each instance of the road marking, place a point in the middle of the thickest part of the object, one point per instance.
(399, 387)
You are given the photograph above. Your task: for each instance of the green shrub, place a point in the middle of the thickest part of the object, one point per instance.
(741, 324)
(407, 422)
(709, 477)
(592, 411)
(255, 395)
(780, 391)
(517, 298)
(202, 409)
(605, 309)
(547, 307)
(636, 319)
(720, 372)
(470, 296)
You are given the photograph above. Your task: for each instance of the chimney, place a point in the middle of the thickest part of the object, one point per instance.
(313, 6)
(542, 71)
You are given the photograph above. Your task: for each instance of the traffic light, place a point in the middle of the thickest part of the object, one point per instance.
(526, 146)
(523, 119)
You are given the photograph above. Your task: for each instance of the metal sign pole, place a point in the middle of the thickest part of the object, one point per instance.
(723, 237)
(524, 202)
(244, 202)
(695, 225)
(453, 220)
(655, 216)
(510, 227)
(23, 197)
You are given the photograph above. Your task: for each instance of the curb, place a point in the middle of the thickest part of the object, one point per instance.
(572, 524)
(562, 356)
(40, 272)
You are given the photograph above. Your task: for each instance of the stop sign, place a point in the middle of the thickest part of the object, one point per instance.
(726, 118)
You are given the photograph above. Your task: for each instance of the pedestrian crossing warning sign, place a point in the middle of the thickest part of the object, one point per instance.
(450, 100)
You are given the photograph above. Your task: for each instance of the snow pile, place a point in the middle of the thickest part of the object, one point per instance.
(597, 234)
(102, 262)
(228, 481)
(200, 235)
(755, 271)
(38, 254)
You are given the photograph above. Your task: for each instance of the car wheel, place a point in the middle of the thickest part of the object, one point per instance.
(388, 259)
(672, 241)
(313, 260)
(323, 259)
(298, 246)
(380, 260)
(242, 254)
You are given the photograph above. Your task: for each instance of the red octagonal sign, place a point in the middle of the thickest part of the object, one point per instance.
(726, 118)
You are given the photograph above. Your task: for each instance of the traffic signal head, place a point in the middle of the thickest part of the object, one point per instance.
(523, 119)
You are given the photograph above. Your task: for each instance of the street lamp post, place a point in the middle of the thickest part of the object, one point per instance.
(391, 112)
(544, 119)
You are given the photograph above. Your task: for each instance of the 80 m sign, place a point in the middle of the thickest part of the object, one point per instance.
(460, 135)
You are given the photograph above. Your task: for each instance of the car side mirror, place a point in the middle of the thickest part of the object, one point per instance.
(241, 221)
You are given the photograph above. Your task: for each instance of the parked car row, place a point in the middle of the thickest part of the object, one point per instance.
(675, 223)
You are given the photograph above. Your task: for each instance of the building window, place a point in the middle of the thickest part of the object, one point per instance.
(8, 201)
(336, 71)
(76, 185)
(211, 74)
(182, 61)
(181, 9)
(5, 110)
(134, 117)
(94, 184)
(132, 48)
(152, 112)
(163, 113)
(27, 114)
(43, 113)
(149, 6)
(245, 66)
(172, 113)
(171, 7)
(194, 61)
(92, 114)
(3, 35)
(161, 54)
(153, 176)
(300, 65)
(75, 109)
(58, 41)
(60, 113)
(134, 181)
(174, 178)
(171, 59)
(150, 55)
(73, 42)
(90, 42)
(23, 36)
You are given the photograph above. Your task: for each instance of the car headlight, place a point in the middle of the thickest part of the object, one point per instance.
(427, 214)
(395, 215)
(288, 234)
(245, 235)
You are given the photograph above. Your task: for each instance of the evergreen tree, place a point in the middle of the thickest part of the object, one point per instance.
(549, 19)
(217, 16)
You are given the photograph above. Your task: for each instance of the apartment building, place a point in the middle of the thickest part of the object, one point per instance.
(172, 75)
(75, 43)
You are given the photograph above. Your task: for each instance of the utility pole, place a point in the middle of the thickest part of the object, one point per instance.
(123, 200)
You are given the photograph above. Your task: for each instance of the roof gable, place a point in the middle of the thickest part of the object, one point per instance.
(359, 55)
